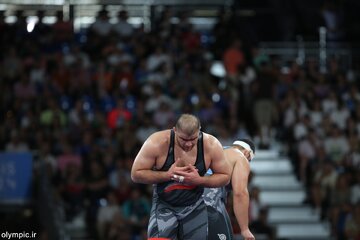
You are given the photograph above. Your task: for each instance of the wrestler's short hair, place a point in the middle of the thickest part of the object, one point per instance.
(188, 123)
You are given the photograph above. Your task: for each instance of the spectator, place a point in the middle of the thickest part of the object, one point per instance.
(355, 188)
(16, 144)
(341, 194)
(96, 189)
(122, 27)
(233, 58)
(101, 27)
(73, 190)
(62, 29)
(164, 116)
(107, 213)
(136, 210)
(67, 157)
(336, 145)
(340, 115)
(53, 114)
(265, 111)
(333, 19)
(118, 229)
(352, 224)
(146, 129)
(324, 184)
(12, 65)
(117, 117)
(24, 89)
(307, 150)
(42, 31)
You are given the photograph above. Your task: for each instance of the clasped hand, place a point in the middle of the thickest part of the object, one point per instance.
(187, 174)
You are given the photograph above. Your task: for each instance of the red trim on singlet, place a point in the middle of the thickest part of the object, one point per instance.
(179, 187)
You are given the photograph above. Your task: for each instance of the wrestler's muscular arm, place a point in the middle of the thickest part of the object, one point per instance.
(239, 184)
(142, 168)
(220, 167)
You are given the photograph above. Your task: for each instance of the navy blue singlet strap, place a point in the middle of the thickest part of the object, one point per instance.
(200, 158)
(170, 156)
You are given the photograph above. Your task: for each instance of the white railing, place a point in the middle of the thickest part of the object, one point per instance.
(300, 52)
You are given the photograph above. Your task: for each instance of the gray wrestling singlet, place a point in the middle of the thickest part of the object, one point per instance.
(178, 211)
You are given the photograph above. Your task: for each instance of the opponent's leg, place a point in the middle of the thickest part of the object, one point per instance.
(219, 225)
(195, 225)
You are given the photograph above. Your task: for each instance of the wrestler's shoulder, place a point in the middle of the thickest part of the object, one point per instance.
(209, 137)
(160, 137)
(233, 155)
(161, 134)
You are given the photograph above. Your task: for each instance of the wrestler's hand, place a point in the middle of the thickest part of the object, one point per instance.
(176, 173)
(190, 174)
(247, 235)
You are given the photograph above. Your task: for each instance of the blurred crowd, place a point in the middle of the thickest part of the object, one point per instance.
(84, 102)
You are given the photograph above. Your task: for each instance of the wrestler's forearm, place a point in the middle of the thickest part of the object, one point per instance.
(215, 180)
(241, 208)
(150, 176)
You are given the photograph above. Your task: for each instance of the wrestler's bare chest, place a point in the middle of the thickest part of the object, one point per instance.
(181, 157)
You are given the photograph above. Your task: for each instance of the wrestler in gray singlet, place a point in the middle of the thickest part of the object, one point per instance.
(178, 210)
(219, 220)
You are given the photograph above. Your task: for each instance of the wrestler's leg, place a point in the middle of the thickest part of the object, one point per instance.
(162, 223)
(219, 225)
(195, 225)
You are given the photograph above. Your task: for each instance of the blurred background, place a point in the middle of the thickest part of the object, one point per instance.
(84, 82)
